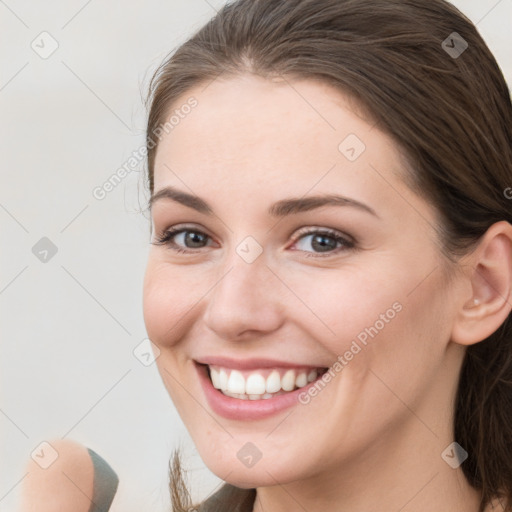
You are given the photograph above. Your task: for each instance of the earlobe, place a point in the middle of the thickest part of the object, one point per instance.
(490, 277)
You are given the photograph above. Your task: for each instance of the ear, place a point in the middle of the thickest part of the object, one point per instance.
(487, 306)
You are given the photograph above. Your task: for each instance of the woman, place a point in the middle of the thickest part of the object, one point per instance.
(329, 284)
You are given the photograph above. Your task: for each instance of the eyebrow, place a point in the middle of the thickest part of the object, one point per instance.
(281, 208)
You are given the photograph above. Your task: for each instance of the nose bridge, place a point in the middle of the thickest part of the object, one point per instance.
(244, 297)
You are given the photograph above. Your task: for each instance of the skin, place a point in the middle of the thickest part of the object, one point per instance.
(65, 485)
(373, 438)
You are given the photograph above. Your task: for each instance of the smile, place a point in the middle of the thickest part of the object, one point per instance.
(253, 389)
(261, 384)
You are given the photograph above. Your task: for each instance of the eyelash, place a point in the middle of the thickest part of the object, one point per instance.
(166, 239)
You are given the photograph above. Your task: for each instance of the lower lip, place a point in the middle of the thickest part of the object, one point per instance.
(248, 410)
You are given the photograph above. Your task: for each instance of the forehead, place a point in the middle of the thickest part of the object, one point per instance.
(268, 138)
(252, 117)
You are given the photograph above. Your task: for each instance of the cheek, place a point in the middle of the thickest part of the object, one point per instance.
(338, 306)
(404, 354)
(385, 317)
(171, 295)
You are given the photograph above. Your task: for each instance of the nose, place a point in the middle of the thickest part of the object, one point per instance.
(245, 301)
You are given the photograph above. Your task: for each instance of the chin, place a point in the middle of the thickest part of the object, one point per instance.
(277, 468)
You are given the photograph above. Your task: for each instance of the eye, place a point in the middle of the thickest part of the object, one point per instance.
(176, 238)
(322, 241)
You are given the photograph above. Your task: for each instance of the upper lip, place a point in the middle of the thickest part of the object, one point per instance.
(251, 364)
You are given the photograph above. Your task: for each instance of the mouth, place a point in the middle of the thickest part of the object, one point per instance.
(254, 389)
(262, 383)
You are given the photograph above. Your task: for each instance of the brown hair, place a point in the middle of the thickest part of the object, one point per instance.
(450, 114)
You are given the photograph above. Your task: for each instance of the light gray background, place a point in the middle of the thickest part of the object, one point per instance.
(69, 326)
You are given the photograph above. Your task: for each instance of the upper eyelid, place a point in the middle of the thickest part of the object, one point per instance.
(301, 231)
(330, 231)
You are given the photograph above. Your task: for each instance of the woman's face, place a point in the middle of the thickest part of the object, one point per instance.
(276, 283)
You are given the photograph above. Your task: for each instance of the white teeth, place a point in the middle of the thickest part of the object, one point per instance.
(214, 374)
(236, 382)
(288, 380)
(236, 395)
(273, 384)
(255, 386)
(301, 380)
(223, 379)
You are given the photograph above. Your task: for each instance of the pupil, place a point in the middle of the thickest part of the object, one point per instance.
(193, 238)
(325, 243)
